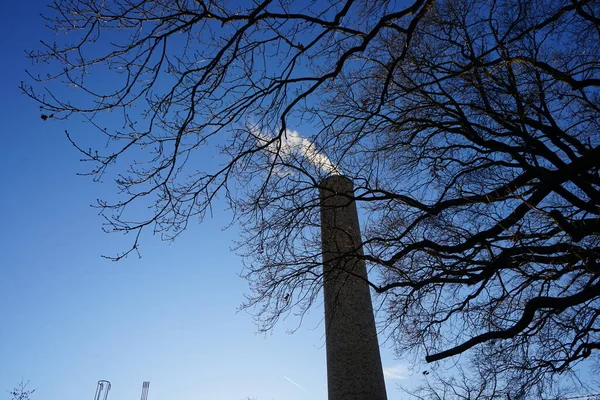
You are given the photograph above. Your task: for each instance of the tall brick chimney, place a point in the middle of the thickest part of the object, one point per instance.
(354, 370)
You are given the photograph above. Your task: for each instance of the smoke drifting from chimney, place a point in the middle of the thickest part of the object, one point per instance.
(292, 144)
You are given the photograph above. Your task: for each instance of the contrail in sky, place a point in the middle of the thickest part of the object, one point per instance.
(295, 384)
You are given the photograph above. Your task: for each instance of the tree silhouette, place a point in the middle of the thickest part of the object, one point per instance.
(20, 392)
(470, 129)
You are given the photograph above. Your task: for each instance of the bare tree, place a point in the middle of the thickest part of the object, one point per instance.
(470, 128)
(20, 392)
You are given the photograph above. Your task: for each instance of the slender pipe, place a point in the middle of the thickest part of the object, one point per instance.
(102, 388)
(145, 388)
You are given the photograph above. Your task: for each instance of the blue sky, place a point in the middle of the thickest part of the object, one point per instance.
(69, 317)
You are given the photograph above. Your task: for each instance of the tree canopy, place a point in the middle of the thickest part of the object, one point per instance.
(20, 392)
(469, 127)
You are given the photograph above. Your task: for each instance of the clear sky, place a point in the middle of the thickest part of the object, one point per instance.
(69, 318)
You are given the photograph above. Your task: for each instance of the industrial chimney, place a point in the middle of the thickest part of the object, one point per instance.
(354, 370)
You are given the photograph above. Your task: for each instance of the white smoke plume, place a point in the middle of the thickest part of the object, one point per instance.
(398, 371)
(292, 144)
